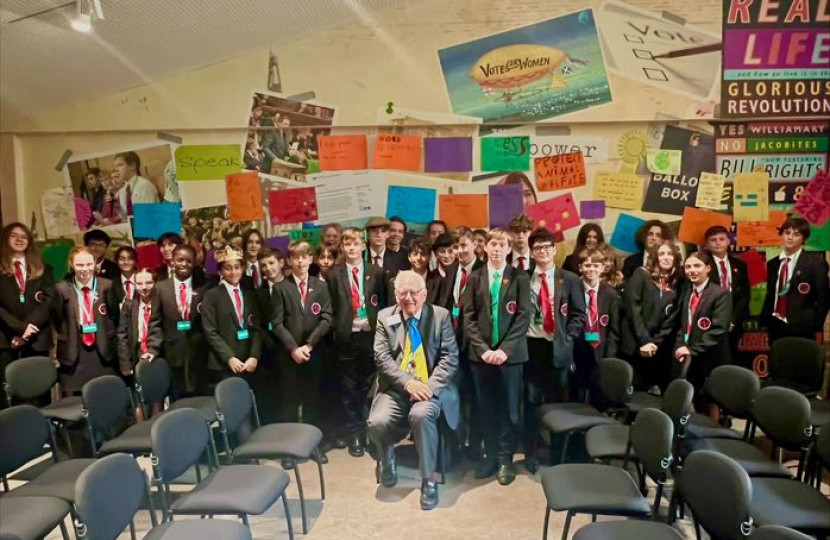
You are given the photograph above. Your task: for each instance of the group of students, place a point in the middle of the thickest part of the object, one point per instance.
(300, 326)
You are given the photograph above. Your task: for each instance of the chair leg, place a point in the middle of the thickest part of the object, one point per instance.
(64, 532)
(567, 526)
(547, 522)
(302, 498)
(319, 456)
(244, 518)
(5, 484)
(593, 518)
(565, 448)
(288, 517)
(132, 529)
(697, 527)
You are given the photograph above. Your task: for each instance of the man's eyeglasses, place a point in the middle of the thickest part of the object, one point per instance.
(540, 248)
(411, 294)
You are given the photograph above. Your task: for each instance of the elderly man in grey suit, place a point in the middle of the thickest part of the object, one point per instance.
(416, 356)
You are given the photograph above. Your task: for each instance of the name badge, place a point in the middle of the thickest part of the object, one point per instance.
(537, 319)
(591, 337)
(89, 328)
(361, 313)
(22, 299)
(456, 311)
(183, 326)
(242, 335)
(686, 338)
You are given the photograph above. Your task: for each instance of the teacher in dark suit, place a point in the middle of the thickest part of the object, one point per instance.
(416, 355)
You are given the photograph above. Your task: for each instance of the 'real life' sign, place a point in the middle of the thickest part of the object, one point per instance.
(776, 59)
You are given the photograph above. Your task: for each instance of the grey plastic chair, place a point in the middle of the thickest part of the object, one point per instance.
(32, 518)
(110, 492)
(819, 457)
(180, 438)
(718, 493)
(784, 416)
(107, 403)
(628, 530)
(236, 404)
(24, 432)
(775, 532)
(152, 384)
(600, 489)
(615, 377)
(790, 503)
(796, 363)
(733, 389)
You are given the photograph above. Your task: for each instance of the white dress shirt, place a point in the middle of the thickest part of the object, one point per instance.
(515, 259)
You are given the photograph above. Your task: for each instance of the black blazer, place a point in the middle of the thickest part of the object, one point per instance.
(530, 261)
(571, 263)
(296, 325)
(441, 295)
(182, 347)
(220, 326)
(645, 308)
(807, 299)
(393, 261)
(514, 314)
(16, 316)
(740, 289)
(631, 263)
(340, 292)
(267, 309)
(568, 314)
(609, 311)
(66, 320)
(129, 351)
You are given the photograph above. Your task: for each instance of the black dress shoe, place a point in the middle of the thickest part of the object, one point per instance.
(429, 494)
(355, 447)
(486, 468)
(531, 465)
(388, 471)
(471, 452)
(289, 463)
(340, 443)
(507, 473)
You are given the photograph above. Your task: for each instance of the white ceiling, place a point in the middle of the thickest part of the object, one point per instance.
(45, 64)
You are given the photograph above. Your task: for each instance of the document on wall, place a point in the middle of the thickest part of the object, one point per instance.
(346, 196)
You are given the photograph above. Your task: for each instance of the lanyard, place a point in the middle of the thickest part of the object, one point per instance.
(88, 315)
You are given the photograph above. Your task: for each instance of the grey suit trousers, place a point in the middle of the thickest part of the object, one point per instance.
(385, 422)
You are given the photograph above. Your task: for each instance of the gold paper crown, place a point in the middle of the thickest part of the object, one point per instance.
(228, 253)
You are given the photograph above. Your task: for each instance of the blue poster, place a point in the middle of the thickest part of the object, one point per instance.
(153, 220)
(416, 205)
(624, 233)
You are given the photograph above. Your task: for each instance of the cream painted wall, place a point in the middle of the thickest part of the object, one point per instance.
(358, 68)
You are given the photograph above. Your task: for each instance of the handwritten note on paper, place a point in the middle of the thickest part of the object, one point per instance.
(294, 205)
(561, 171)
(468, 210)
(557, 214)
(505, 153)
(695, 222)
(312, 236)
(710, 191)
(761, 233)
(448, 154)
(342, 152)
(664, 161)
(153, 220)
(592, 209)
(244, 197)
(506, 202)
(814, 203)
(619, 190)
(402, 152)
(624, 233)
(412, 204)
(207, 161)
(751, 196)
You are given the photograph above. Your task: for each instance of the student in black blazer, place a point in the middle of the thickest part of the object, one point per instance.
(167, 244)
(497, 332)
(731, 274)
(123, 286)
(26, 290)
(648, 235)
(185, 348)
(601, 336)
(798, 294)
(557, 320)
(392, 262)
(590, 236)
(98, 242)
(139, 334)
(442, 249)
(519, 256)
(85, 333)
(699, 326)
(358, 292)
(267, 376)
(230, 320)
(648, 300)
(302, 318)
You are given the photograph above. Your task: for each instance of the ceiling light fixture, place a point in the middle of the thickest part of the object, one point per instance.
(87, 10)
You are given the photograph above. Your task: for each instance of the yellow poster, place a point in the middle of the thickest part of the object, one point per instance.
(751, 198)
(619, 190)
(710, 191)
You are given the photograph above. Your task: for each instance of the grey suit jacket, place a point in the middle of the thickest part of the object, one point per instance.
(441, 350)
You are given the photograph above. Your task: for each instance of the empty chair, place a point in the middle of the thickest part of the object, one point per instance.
(796, 363)
(784, 416)
(776, 532)
(236, 404)
(180, 438)
(628, 530)
(152, 383)
(733, 389)
(600, 489)
(819, 457)
(107, 401)
(24, 432)
(109, 493)
(615, 382)
(32, 518)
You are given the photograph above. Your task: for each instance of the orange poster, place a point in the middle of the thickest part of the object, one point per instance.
(244, 197)
(761, 233)
(561, 171)
(468, 210)
(696, 221)
(343, 152)
(402, 152)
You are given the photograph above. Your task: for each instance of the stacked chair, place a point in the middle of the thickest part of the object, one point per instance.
(798, 364)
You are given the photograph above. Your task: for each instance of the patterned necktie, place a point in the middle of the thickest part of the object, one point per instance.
(548, 324)
(463, 285)
(693, 303)
(724, 276)
(239, 309)
(184, 305)
(593, 315)
(87, 319)
(18, 275)
(302, 293)
(355, 291)
(783, 281)
(495, 289)
(145, 336)
(414, 358)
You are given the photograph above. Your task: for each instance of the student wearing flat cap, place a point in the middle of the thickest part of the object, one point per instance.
(391, 262)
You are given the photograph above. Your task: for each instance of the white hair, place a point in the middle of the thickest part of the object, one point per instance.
(408, 277)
